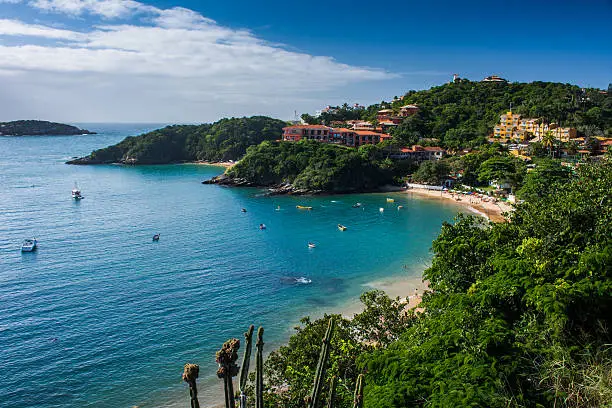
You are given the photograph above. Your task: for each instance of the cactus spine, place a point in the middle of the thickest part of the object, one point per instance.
(332, 392)
(190, 374)
(259, 369)
(226, 358)
(321, 366)
(358, 397)
(244, 372)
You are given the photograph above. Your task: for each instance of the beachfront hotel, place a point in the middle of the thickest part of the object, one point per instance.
(326, 134)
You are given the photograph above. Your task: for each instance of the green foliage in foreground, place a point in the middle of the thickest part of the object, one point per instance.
(510, 302)
(519, 314)
(315, 166)
(226, 139)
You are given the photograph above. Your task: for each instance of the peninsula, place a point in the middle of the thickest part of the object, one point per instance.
(40, 128)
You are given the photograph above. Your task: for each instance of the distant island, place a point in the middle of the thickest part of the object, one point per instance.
(40, 128)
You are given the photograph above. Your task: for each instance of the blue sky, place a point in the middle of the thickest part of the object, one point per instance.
(195, 61)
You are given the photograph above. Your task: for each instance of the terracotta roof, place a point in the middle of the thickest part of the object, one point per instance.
(434, 149)
(342, 130)
(367, 133)
(307, 127)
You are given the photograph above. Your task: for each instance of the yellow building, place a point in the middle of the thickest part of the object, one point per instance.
(512, 126)
(508, 126)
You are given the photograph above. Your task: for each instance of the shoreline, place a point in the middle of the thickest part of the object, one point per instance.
(225, 164)
(493, 211)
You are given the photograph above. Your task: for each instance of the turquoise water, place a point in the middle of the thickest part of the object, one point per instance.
(101, 316)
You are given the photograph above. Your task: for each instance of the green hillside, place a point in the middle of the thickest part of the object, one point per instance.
(465, 112)
(226, 139)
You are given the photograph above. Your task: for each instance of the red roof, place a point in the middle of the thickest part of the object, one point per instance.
(368, 133)
(342, 130)
(307, 127)
(434, 149)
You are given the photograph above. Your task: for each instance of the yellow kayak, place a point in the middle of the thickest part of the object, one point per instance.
(341, 227)
(390, 200)
(303, 207)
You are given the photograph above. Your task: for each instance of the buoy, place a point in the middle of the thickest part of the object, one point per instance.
(381, 209)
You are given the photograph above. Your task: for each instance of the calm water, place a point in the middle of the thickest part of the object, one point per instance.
(101, 316)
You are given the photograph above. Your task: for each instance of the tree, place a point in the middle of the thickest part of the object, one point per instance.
(502, 169)
(431, 172)
(547, 176)
(548, 141)
(309, 119)
(518, 313)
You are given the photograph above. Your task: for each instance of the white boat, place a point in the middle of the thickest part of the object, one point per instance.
(76, 193)
(381, 209)
(29, 245)
(312, 245)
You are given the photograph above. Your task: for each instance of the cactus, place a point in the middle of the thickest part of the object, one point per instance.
(190, 374)
(313, 401)
(332, 392)
(358, 397)
(259, 369)
(226, 358)
(244, 372)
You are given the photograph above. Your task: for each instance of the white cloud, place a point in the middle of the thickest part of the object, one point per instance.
(104, 8)
(17, 28)
(176, 60)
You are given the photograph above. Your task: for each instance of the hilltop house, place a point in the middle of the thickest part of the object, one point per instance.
(418, 153)
(408, 110)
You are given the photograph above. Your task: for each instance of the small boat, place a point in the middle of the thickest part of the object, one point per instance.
(76, 193)
(381, 209)
(399, 207)
(303, 207)
(243, 210)
(278, 208)
(262, 226)
(356, 205)
(341, 227)
(390, 200)
(156, 237)
(312, 245)
(29, 245)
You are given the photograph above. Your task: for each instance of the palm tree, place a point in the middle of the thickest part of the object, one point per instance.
(572, 147)
(548, 140)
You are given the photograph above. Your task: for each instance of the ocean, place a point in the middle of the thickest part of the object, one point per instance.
(102, 316)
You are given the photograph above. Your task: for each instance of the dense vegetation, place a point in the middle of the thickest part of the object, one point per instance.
(315, 166)
(518, 313)
(226, 139)
(39, 128)
(464, 113)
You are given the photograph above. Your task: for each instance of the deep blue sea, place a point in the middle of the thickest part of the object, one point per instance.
(102, 316)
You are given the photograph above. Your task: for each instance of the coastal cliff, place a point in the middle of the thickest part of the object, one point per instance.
(40, 128)
(224, 140)
(310, 167)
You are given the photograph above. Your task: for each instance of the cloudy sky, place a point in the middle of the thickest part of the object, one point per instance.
(196, 61)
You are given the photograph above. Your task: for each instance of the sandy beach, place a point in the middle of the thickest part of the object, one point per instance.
(225, 164)
(488, 209)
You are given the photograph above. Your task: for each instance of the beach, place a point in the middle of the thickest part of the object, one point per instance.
(226, 164)
(491, 210)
